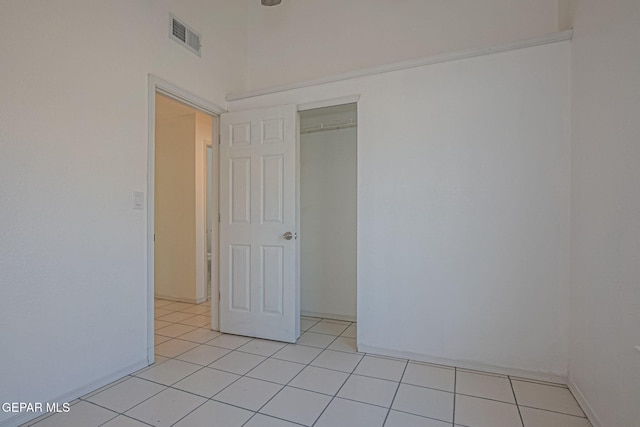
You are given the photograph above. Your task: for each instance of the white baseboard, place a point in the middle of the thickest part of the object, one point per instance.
(20, 419)
(477, 366)
(584, 404)
(188, 300)
(328, 316)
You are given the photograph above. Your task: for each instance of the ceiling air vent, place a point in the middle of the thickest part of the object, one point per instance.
(183, 34)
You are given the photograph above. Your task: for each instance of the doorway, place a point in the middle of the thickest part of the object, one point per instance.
(328, 220)
(182, 199)
(182, 232)
(260, 232)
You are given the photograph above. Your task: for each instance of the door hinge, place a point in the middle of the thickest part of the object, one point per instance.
(154, 237)
(219, 216)
(218, 295)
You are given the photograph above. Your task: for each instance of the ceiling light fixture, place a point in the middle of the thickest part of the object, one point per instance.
(271, 2)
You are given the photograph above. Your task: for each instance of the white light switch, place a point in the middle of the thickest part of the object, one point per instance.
(638, 347)
(138, 200)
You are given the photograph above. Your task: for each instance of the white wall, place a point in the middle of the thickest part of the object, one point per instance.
(180, 245)
(463, 207)
(300, 40)
(604, 367)
(204, 132)
(328, 223)
(175, 207)
(73, 148)
(565, 14)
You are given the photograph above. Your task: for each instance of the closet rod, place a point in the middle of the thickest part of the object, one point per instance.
(322, 127)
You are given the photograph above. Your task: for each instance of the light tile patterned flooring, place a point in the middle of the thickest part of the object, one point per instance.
(204, 378)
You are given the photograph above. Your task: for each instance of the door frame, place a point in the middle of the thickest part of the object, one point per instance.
(313, 105)
(158, 85)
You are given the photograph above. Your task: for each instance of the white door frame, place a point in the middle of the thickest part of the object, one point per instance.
(322, 103)
(158, 85)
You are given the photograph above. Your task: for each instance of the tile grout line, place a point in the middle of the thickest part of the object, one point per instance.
(406, 361)
(471, 395)
(309, 364)
(117, 414)
(555, 412)
(337, 392)
(270, 416)
(167, 387)
(273, 356)
(421, 416)
(190, 412)
(104, 388)
(455, 385)
(131, 418)
(193, 394)
(120, 414)
(185, 391)
(285, 385)
(322, 350)
(538, 382)
(234, 373)
(406, 365)
(516, 400)
(237, 349)
(207, 399)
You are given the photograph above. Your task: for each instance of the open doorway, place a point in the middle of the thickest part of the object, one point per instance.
(287, 186)
(183, 138)
(182, 204)
(328, 220)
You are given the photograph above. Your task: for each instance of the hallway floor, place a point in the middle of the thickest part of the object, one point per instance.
(204, 378)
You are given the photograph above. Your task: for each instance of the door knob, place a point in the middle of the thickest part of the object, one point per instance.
(289, 235)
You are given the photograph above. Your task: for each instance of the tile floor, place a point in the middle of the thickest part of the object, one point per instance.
(204, 378)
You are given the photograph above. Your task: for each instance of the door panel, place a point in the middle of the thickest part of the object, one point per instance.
(258, 282)
(240, 283)
(272, 278)
(241, 190)
(273, 189)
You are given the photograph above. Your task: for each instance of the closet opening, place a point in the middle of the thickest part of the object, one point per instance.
(328, 220)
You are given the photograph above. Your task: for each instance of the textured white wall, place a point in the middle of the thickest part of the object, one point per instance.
(73, 148)
(305, 39)
(605, 294)
(175, 208)
(328, 223)
(463, 207)
(204, 133)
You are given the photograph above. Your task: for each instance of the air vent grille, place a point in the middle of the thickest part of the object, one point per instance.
(184, 35)
(179, 30)
(193, 40)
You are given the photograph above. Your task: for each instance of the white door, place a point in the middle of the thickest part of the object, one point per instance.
(259, 292)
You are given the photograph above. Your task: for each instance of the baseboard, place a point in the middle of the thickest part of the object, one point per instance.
(20, 419)
(465, 364)
(584, 404)
(188, 300)
(328, 316)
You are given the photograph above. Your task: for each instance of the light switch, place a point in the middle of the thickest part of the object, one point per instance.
(638, 348)
(138, 200)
